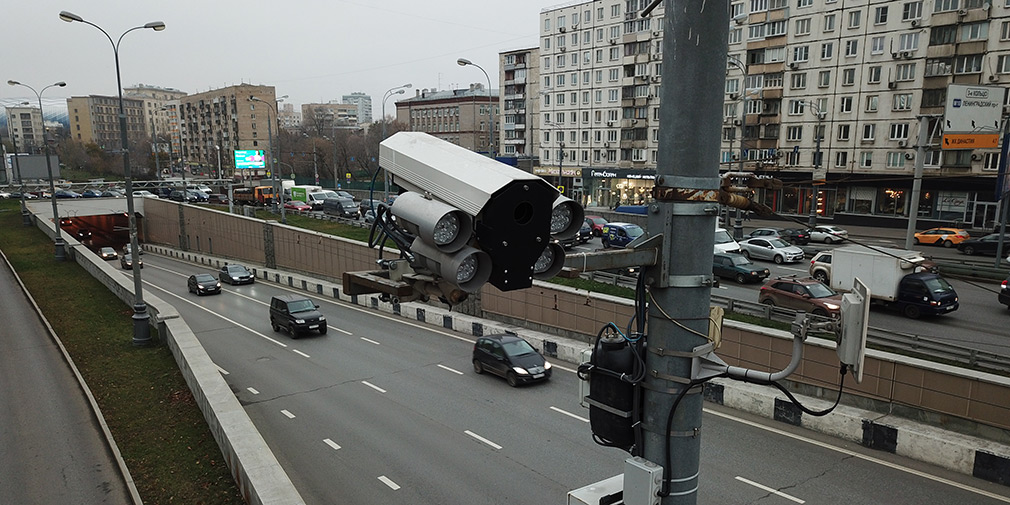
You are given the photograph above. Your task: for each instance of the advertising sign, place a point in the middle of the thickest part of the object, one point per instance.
(246, 159)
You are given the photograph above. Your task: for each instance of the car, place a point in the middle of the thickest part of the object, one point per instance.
(947, 237)
(365, 205)
(162, 192)
(511, 357)
(1004, 292)
(179, 195)
(66, 193)
(236, 274)
(737, 267)
(820, 266)
(126, 249)
(297, 205)
(807, 295)
(27, 195)
(767, 233)
(203, 284)
(65, 222)
(83, 233)
(774, 249)
(585, 233)
(828, 234)
(369, 216)
(126, 261)
(217, 199)
(620, 234)
(197, 196)
(342, 194)
(342, 207)
(797, 236)
(983, 245)
(5, 194)
(597, 223)
(91, 193)
(724, 242)
(143, 193)
(110, 193)
(296, 314)
(108, 253)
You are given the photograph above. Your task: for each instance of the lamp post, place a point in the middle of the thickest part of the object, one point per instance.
(812, 220)
(60, 246)
(398, 90)
(490, 112)
(25, 215)
(218, 149)
(738, 221)
(141, 328)
(270, 146)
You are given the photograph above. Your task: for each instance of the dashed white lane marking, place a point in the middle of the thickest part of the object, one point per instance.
(569, 414)
(289, 414)
(345, 332)
(482, 439)
(300, 353)
(331, 444)
(385, 480)
(373, 386)
(222, 370)
(457, 372)
(370, 341)
(253, 391)
(770, 490)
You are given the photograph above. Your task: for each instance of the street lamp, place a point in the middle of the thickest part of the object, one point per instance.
(490, 112)
(61, 253)
(812, 220)
(733, 60)
(141, 328)
(270, 145)
(25, 215)
(218, 149)
(398, 90)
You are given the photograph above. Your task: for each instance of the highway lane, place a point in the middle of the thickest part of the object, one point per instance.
(392, 411)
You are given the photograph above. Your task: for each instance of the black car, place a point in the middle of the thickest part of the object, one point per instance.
(66, 193)
(126, 261)
(296, 314)
(1004, 292)
(91, 193)
(366, 205)
(798, 236)
(179, 195)
(983, 245)
(511, 357)
(196, 196)
(236, 274)
(203, 284)
(83, 234)
(217, 198)
(738, 267)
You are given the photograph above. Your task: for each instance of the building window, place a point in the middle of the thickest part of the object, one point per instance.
(855, 18)
(895, 159)
(869, 131)
(803, 26)
(902, 101)
(873, 75)
(904, 72)
(794, 133)
(908, 41)
(845, 104)
(827, 50)
(798, 80)
(939, 66)
(851, 48)
(871, 103)
(899, 131)
(911, 10)
(829, 22)
(1003, 64)
(804, 3)
(801, 53)
(824, 78)
(866, 159)
(974, 31)
(968, 64)
(945, 5)
(843, 132)
(796, 107)
(880, 15)
(841, 159)
(877, 45)
(936, 97)
(848, 76)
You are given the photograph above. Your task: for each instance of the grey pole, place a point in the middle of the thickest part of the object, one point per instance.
(141, 328)
(25, 215)
(315, 166)
(680, 283)
(154, 144)
(920, 160)
(812, 220)
(218, 148)
(60, 246)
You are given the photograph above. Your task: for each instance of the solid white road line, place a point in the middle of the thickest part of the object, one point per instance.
(370, 341)
(482, 439)
(331, 444)
(569, 414)
(222, 370)
(770, 490)
(373, 386)
(443, 367)
(863, 457)
(300, 353)
(253, 391)
(289, 414)
(385, 480)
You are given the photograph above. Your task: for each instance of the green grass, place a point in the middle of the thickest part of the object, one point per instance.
(323, 226)
(152, 415)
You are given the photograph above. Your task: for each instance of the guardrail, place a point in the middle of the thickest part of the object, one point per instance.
(892, 340)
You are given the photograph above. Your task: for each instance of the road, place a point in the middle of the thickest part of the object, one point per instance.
(381, 410)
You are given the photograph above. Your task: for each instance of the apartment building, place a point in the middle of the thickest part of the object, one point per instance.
(322, 118)
(26, 128)
(224, 120)
(364, 103)
(95, 119)
(817, 91)
(519, 72)
(460, 116)
(290, 117)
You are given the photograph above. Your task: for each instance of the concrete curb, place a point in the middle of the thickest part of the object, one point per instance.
(968, 455)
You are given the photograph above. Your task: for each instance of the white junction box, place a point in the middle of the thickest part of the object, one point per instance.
(642, 481)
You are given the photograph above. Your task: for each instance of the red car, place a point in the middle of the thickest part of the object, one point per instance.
(597, 223)
(297, 205)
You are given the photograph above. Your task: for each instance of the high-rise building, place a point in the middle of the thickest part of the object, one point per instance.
(364, 103)
(224, 120)
(95, 119)
(321, 118)
(290, 117)
(459, 116)
(25, 127)
(519, 74)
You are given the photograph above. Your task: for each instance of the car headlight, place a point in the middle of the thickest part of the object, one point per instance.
(322, 318)
(299, 321)
(217, 285)
(547, 365)
(831, 306)
(519, 370)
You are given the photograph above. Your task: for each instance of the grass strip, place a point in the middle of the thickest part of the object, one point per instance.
(149, 409)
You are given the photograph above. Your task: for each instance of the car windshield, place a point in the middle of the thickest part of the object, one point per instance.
(634, 231)
(722, 237)
(301, 306)
(205, 278)
(820, 291)
(598, 220)
(518, 348)
(938, 285)
(236, 269)
(778, 243)
(741, 261)
(108, 250)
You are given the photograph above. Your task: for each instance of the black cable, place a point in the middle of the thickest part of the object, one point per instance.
(665, 491)
(815, 413)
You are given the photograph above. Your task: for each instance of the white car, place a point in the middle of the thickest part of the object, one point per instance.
(774, 249)
(144, 193)
(4, 194)
(828, 234)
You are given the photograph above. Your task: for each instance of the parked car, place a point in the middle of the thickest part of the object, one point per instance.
(297, 205)
(144, 194)
(511, 357)
(365, 205)
(28, 196)
(820, 266)
(597, 223)
(768, 233)
(203, 284)
(737, 267)
(179, 195)
(217, 199)
(808, 295)
(620, 234)
(197, 195)
(341, 206)
(66, 193)
(947, 237)
(91, 193)
(983, 245)
(774, 249)
(109, 193)
(296, 314)
(5, 194)
(798, 236)
(126, 261)
(236, 274)
(108, 253)
(828, 234)
(1004, 292)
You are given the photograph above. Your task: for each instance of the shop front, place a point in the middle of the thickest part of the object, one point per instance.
(610, 187)
(569, 183)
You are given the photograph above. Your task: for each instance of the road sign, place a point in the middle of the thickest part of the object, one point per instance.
(970, 141)
(971, 117)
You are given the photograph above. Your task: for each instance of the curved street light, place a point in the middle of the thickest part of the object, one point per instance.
(60, 246)
(141, 327)
(397, 90)
(270, 145)
(490, 112)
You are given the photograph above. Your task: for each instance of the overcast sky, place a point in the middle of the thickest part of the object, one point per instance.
(314, 51)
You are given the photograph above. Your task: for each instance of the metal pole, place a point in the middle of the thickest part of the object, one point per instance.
(812, 221)
(920, 159)
(25, 215)
(738, 223)
(315, 167)
(561, 174)
(154, 144)
(219, 176)
(680, 283)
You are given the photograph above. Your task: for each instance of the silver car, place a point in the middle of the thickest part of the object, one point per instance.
(774, 249)
(828, 234)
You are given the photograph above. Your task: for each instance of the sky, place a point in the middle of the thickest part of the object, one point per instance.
(313, 51)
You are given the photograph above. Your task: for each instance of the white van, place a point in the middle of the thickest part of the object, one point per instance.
(724, 242)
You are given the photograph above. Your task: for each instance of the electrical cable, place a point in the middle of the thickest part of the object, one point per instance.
(665, 491)
(815, 413)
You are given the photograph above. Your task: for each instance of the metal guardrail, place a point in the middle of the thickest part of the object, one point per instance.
(897, 341)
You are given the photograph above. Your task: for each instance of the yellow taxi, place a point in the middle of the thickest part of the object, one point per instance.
(947, 237)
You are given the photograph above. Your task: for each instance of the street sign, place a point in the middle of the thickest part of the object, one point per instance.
(970, 141)
(972, 117)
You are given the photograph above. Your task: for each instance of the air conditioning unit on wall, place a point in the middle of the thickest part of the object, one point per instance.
(902, 143)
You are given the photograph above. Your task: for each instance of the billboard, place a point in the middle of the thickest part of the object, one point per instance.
(246, 159)
(33, 166)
